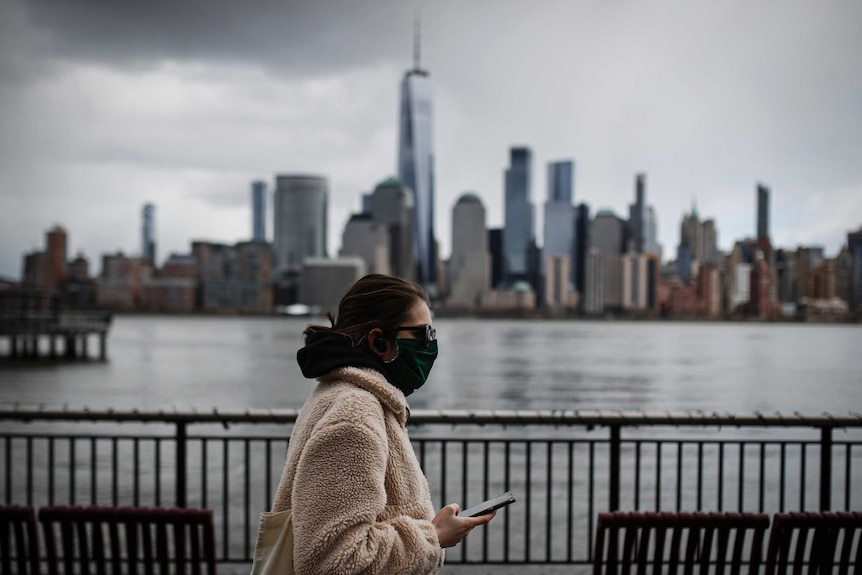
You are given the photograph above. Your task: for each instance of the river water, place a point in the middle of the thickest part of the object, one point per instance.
(228, 362)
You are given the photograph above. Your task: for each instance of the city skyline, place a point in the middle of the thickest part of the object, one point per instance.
(108, 108)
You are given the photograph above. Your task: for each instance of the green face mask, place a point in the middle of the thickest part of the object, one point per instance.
(410, 368)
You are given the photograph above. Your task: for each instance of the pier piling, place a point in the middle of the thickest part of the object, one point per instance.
(26, 315)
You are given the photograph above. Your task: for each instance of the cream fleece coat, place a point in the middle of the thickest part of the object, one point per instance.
(360, 501)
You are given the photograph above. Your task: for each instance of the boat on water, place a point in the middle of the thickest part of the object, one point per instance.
(297, 310)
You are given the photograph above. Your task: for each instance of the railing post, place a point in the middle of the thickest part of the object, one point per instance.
(615, 456)
(825, 468)
(181, 463)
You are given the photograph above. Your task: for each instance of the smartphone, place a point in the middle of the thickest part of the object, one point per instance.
(488, 506)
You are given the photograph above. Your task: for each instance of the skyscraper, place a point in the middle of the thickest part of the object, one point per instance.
(560, 181)
(258, 210)
(710, 242)
(518, 229)
(638, 217)
(785, 272)
(367, 239)
(854, 246)
(762, 212)
(697, 242)
(301, 204)
(148, 232)
(607, 233)
(498, 266)
(690, 244)
(392, 205)
(416, 164)
(470, 264)
(582, 244)
(56, 244)
(651, 245)
(594, 282)
(560, 215)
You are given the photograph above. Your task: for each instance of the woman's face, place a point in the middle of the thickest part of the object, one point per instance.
(413, 326)
(415, 350)
(417, 315)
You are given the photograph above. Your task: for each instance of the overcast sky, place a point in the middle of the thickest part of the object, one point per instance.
(107, 105)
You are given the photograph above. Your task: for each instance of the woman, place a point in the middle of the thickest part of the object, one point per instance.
(360, 501)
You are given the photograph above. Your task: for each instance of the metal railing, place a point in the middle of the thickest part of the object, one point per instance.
(564, 467)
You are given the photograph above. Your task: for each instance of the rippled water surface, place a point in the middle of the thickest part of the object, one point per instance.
(206, 362)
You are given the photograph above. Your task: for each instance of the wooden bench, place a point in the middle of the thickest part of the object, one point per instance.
(84, 540)
(815, 543)
(19, 540)
(679, 542)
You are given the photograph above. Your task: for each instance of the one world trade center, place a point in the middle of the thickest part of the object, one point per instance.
(416, 165)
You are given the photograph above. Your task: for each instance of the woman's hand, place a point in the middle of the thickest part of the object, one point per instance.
(451, 529)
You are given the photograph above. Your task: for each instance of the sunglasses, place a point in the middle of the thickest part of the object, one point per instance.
(429, 334)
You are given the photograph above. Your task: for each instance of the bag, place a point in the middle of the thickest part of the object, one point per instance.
(273, 552)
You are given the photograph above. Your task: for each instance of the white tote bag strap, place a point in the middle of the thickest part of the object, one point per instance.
(273, 552)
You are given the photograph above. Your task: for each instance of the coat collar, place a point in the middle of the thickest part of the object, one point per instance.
(371, 380)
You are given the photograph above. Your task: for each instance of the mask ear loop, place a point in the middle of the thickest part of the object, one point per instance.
(394, 357)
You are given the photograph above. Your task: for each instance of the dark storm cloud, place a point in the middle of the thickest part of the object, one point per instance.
(298, 36)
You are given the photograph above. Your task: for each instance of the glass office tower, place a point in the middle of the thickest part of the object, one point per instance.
(416, 167)
(638, 217)
(299, 219)
(762, 212)
(258, 211)
(560, 215)
(582, 244)
(518, 230)
(148, 232)
(560, 181)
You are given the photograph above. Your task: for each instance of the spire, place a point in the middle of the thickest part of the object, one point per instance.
(417, 36)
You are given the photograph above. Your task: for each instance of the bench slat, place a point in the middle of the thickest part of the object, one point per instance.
(101, 539)
(19, 540)
(673, 542)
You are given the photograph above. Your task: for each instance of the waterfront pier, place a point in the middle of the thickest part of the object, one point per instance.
(29, 317)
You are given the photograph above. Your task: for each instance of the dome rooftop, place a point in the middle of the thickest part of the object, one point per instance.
(469, 197)
(391, 181)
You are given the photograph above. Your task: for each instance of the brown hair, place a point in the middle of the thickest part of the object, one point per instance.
(374, 301)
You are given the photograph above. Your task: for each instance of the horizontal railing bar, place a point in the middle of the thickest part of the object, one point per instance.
(434, 439)
(432, 417)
